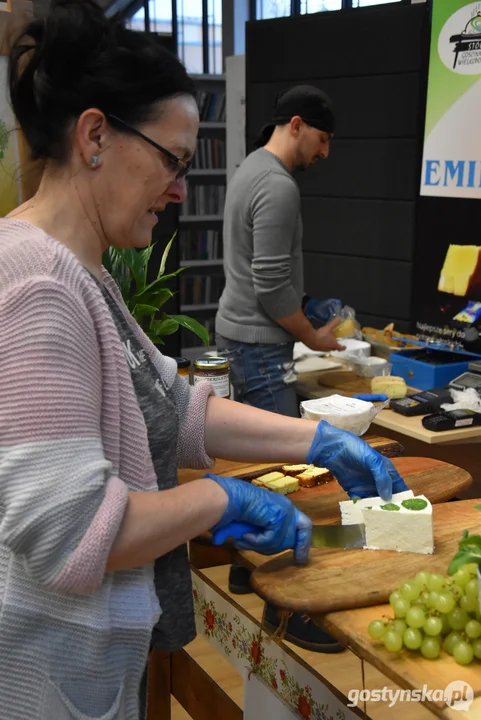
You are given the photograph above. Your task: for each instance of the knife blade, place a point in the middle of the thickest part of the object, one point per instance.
(323, 536)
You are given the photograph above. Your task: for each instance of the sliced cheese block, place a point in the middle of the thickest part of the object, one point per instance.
(390, 385)
(351, 510)
(257, 482)
(406, 526)
(461, 272)
(283, 485)
(270, 476)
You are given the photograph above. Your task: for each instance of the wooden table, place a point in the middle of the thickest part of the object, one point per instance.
(458, 447)
(349, 626)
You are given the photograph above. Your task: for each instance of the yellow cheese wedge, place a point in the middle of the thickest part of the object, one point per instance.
(461, 272)
(390, 385)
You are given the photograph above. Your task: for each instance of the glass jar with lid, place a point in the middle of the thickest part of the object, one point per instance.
(216, 371)
(183, 367)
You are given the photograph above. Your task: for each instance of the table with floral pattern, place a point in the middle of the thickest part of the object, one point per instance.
(239, 639)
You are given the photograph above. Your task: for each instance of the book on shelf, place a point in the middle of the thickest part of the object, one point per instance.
(209, 154)
(200, 289)
(204, 200)
(211, 106)
(200, 245)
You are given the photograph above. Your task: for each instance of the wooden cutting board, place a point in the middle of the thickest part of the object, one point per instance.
(346, 579)
(438, 480)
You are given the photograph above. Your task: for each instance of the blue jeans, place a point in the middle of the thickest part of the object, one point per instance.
(262, 375)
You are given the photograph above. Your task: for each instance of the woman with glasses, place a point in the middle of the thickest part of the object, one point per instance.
(92, 555)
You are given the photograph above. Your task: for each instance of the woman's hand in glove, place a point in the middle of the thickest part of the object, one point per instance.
(359, 469)
(281, 526)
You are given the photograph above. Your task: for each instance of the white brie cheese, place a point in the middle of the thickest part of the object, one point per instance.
(351, 510)
(404, 529)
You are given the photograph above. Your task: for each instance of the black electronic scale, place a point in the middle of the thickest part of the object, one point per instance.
(430, 401)
(451, 420)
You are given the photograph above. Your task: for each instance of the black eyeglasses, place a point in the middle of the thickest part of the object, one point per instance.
(179, 166)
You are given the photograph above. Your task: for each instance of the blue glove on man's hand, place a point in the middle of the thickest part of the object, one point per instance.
(359, 469)
(322, 310)
(282, 526)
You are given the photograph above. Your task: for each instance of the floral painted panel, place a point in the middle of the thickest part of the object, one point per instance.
(237, 638)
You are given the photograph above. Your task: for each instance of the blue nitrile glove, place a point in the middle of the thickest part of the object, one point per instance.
(359, 469)
(281, 525)
(322, 310)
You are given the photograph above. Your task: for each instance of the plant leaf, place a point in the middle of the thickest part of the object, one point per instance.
(146, 259)
(160, 282)
(165, 255)
(135, 262)
(156, 298)
(119, 270)
(156, 339)
(193, 325)
(166, 326)
(140, 310)
(469, 552)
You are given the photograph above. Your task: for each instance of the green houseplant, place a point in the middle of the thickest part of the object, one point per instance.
(129, 268)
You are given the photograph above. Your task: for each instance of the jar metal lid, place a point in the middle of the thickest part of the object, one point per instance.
(182, 362)
(211, 363)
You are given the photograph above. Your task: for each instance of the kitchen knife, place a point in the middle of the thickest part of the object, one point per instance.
(323, 536)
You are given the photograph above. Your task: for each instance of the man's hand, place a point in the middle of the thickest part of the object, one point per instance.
(323, 339)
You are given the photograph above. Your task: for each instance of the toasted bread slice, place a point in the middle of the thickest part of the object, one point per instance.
(295, 470)
(306, 481)
(314, 476)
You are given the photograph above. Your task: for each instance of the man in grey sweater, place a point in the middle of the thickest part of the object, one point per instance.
(261, 311)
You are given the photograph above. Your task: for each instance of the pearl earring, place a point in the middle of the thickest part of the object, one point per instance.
(95, 162)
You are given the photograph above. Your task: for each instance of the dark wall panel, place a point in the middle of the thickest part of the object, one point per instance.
(378, 169)
(371, 286)
(366, 107)
(359, 228)
(359, 206)
(380, 321)
(337, 44)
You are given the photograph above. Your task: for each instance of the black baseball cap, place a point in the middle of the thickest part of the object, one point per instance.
(307, 101)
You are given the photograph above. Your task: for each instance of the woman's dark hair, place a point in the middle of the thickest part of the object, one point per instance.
(75, 59)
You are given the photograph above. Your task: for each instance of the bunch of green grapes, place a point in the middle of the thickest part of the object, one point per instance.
(434, 611)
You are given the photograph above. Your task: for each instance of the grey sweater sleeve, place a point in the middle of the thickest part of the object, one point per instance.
(274, 210)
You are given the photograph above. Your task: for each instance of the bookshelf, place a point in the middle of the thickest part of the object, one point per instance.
(200, 218)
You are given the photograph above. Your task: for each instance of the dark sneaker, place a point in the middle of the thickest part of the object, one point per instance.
(303, 631)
